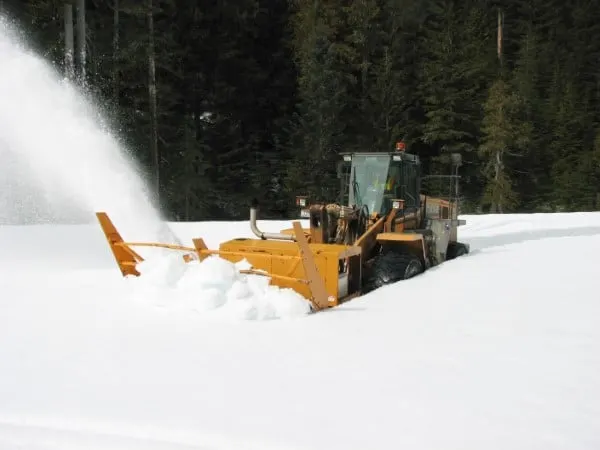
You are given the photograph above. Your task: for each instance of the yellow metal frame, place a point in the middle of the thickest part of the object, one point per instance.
(296, 258)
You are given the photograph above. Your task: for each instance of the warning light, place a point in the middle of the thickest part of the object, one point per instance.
(400, 146)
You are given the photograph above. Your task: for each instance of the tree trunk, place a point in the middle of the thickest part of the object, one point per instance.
(497, 200)
(152, 99)
(188, 161)
(500, 33)
(115, 74)
(69, 45)
(81, 35)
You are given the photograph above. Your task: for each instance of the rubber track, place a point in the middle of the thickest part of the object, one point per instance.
(389, 268)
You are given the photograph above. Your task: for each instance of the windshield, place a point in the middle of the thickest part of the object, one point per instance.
(368, 178)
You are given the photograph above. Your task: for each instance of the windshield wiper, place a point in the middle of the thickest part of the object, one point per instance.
(356, 192)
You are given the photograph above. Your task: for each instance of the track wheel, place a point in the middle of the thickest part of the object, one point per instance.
(391, 267)
(456, 249)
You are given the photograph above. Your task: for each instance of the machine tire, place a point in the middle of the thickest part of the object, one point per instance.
(391, 267)
(456, 249)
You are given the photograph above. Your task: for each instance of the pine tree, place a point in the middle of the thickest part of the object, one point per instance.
(457, 60)
(359, 46)
(268, 113)
(392, 94)
(318, 131)
(504, 135)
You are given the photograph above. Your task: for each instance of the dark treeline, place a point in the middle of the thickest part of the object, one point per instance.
(230, 100)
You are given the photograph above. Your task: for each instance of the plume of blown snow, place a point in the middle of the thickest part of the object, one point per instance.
(59, 162)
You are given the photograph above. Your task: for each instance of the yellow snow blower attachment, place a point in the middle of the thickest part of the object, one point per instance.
(324, 274)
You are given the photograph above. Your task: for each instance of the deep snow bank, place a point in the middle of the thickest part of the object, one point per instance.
(496, 350)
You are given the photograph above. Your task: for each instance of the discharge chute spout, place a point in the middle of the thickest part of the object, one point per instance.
(262, 234)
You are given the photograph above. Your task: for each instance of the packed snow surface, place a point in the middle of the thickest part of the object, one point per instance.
(498, 349)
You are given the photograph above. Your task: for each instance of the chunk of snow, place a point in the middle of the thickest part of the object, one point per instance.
(215, 283)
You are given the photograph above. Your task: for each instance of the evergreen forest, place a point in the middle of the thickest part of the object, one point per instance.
(225, 101)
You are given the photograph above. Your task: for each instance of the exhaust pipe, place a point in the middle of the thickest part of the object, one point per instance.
(262, 234)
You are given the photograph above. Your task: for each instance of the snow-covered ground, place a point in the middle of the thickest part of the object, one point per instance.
(496, 350)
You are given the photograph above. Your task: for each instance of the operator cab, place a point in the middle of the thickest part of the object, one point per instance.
(373, 180)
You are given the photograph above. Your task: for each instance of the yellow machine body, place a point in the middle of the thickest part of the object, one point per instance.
(347, 250)
(282, 261)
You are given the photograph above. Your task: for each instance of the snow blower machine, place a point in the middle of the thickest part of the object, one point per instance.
(381, 230)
